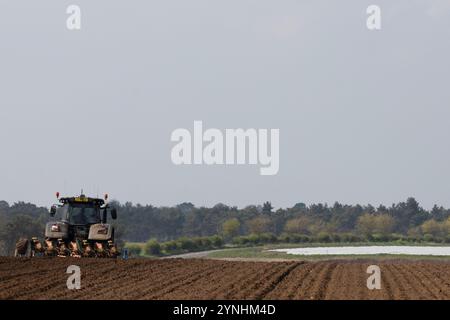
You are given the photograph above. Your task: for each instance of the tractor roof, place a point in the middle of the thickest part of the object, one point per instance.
(83, 199)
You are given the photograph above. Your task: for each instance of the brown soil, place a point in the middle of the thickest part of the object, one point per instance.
(45, 278)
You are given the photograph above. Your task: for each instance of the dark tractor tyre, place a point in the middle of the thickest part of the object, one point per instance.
(21, 247)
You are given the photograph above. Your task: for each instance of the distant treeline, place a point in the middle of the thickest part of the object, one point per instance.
(138, 223)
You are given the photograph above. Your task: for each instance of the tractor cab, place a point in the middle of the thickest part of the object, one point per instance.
(82, 210)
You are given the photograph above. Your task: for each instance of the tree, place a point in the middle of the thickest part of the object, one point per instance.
(384, 224)
(152, 247)
(230, 228)
(134, 249)
(4, 205)
(258, 225)
(267, 207)
(408, 214)
(414, 214)
(297, 225)
(437, 213)
(433, 228)
(299, 206)
(186, 207)
(369, 224)
(447, 227)
(365, 224)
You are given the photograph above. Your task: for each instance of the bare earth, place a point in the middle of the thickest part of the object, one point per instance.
(42, 278)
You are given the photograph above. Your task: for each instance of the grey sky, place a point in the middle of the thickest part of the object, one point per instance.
(364, 117)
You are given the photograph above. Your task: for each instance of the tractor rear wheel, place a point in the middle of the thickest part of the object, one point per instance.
(21, 247)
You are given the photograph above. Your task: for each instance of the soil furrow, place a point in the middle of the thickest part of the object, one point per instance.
(40, 278)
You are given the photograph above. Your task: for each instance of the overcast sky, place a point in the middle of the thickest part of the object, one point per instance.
(364, 116)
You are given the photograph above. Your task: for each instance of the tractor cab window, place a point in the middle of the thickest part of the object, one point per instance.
(63, 212)
(83, 214)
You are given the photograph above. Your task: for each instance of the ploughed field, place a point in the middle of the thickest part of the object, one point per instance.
(45, 278)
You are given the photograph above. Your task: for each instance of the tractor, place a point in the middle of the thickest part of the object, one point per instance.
(81, 231)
